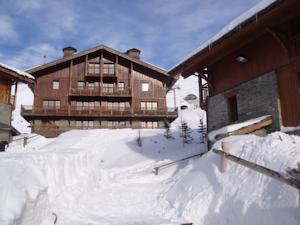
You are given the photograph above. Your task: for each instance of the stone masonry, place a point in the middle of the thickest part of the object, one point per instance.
(255, 98)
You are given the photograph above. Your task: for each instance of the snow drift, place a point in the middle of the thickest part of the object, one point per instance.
(103, 177)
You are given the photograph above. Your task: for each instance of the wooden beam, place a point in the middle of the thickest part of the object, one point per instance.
(247, 129)
(116, 65)
(291, 181)
(101, 72)
(86, 65)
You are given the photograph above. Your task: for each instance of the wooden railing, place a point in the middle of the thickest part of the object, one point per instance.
(85, 91)
(95, 111)
(104, 91)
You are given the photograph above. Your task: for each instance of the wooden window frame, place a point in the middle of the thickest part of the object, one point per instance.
(109, 68)
(145, 87)
(55, 84)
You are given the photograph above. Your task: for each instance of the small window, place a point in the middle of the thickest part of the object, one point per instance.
(91, 123)
(143, 124)
(143, 105)
(232, 108)
(78, 123)
(154, 105)
(155, 124)
(109, 68)
(55, 85)
(145, 87)
(121, 86)
(110, 124)
(80, 85)
(94, 68)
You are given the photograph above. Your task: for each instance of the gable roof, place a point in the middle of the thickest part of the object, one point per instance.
(230, 29)
(100, 47)
(16, 74)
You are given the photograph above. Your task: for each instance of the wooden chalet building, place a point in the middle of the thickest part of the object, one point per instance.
(8, 77)
(251, 68)
(98, 88)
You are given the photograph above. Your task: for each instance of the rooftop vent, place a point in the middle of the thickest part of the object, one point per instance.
(134, 53)
(68, 51)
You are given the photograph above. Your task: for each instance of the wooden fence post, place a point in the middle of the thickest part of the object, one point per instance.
(25, 141)
(225, 148)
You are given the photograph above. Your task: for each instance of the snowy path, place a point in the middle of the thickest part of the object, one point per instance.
(127, 196)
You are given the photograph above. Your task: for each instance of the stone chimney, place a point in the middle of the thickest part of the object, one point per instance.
(134, 53)
(68, 51)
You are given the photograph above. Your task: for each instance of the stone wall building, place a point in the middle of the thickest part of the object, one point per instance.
(251, 70)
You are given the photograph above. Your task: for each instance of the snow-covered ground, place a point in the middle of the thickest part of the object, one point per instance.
(102, 177)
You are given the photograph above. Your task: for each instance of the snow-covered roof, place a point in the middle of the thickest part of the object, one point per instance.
(263, 4)
(19, 72)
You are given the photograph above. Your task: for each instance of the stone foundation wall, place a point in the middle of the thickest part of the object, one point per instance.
(255, 98)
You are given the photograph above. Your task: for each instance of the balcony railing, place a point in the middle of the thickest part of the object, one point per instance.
(93, 75)
(104, 91)
(115, 91)
(85, 91)
(95, 112)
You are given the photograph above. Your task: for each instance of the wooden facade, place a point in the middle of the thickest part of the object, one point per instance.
(98, 88)
(267, 42)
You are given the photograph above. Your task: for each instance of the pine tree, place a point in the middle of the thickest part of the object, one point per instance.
(167, 133)
(186, 133)
(202, 131)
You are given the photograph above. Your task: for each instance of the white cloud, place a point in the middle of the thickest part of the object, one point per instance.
(32, 56)
(7, 29)
(28, 5)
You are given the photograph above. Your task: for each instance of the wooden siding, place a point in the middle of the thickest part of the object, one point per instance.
(69, 73)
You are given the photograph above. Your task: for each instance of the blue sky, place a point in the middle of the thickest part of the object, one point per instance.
(164, 30)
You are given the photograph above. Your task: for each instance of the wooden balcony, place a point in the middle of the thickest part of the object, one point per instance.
(85, 91)
(104, 91)
(109, 75)
(115, 91)
(93, 75)
(169, 112)
(99, 111)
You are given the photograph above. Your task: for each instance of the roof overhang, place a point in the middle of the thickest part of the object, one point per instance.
(246, 31)
(14, 76)
(168, 79)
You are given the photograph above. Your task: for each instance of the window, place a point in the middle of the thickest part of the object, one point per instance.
(94, 68)
(121, 86)
(110, 123)
(108, 87)
(80, 85)
(109, 68)
(51, 104)
(149, 124)
(232, 108)
(143, 105)
(91, 86)
(145, 87)
(148, 105)
(55, 85)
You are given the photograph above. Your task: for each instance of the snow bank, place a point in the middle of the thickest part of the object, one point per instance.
(199, 193)
(103, 177)
(212, 135)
